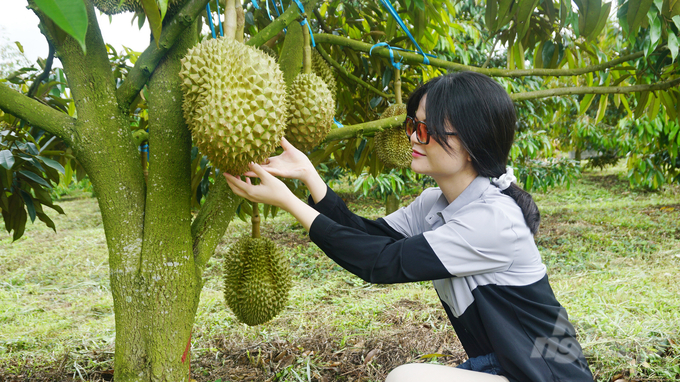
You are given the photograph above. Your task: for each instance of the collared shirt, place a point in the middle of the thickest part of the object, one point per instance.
(484, 264)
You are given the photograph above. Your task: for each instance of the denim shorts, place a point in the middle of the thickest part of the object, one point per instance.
(484, 363)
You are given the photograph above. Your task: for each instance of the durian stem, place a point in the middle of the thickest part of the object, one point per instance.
(230, 19)
(255, 220)
(240, 21)
(145, 166)
(397, 86)
(307, 51)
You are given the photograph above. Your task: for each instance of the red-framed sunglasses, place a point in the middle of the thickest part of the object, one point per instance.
(422, 134)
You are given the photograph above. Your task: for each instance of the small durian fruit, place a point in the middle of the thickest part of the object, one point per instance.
(311, 109)
(112, 7)
(257, 277)
(311, 106)
(270, 52)
(321, 69)
(234, 102)
(392, 145)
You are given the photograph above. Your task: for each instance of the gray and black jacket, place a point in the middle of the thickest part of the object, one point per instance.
(485, 267)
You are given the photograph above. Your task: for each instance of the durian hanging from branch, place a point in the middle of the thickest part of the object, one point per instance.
(310, 104)
(257, 277)
(234, 101)
(392, 145)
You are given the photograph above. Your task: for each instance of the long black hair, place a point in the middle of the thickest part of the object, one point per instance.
(483, 115)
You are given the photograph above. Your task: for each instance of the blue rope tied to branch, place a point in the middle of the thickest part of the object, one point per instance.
(304, 22)
(338, 124)
(399, 21)
(255, 4)
(396, 65)
(209, 14)
(219, 21)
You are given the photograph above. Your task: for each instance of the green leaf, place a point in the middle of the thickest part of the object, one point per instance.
(69, 15)
(29, 204)
(602, 109)
(676, 20)
(673, 44)
(19, 224)
(52, 163)
(526, 9)
(153, 13)
(21, 47)
(490, 14)
(46, 219)
(637, 11)
(35, 178)
(6, 159)
(585, 103)
(655, 30)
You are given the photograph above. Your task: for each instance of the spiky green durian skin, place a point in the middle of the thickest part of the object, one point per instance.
(311, 108)
(112, 7)
(392, 145)
(270, 52)
(321, 69)
(257, 279)
(234, 103)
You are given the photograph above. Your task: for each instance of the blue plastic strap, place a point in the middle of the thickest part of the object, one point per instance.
(219, 21)
(304, 22)
(394, 14)
(212, 27)
(255, 4)
(396, 65)
(338, 124)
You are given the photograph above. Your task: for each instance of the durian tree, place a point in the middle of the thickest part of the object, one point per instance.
(158, 250)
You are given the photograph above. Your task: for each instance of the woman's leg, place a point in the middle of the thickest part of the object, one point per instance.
(417, 372)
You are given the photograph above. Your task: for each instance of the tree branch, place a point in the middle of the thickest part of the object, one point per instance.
(594, 90)
(291, 14)
(413, 58)
(349, 75)
(147, 61)
(366, 128)
(212, 221)
(35, 113)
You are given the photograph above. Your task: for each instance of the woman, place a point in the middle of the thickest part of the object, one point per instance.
(473, 236)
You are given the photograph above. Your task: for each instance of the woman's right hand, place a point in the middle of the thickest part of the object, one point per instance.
(291, 164)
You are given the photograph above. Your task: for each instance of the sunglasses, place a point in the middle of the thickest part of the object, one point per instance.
(420, 128)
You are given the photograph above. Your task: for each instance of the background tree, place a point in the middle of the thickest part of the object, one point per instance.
(556, 61)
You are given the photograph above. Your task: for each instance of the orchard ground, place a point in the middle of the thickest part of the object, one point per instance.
(613, 257)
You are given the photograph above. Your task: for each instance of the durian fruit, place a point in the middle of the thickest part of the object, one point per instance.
(321, 69)
(257, 277)
(234, 103)
(270, 52)
(393, 147)
(310, 105)
(112, 7)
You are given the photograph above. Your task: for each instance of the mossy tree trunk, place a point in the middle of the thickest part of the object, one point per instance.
(156, 254)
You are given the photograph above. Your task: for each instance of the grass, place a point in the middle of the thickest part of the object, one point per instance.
(612, 253)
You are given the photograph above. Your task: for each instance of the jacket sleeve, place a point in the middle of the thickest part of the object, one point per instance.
(333, 207)
(375, 258)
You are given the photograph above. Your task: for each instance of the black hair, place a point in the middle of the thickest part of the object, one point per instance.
(483, 115)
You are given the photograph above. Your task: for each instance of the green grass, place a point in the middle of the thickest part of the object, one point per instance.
(613, 257)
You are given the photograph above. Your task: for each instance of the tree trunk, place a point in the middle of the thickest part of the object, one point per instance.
(391, 204)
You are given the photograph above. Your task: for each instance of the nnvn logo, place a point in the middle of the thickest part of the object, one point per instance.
(562, 349)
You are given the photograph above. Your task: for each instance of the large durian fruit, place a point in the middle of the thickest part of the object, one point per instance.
(392, 145)
(321, 69)
(234, 103)
(112, 7)
(311, 106)
(257, 277)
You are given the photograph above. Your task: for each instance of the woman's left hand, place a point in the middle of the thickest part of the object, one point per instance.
(270, 191)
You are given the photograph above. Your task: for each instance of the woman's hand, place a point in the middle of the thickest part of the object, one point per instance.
(270, 190)
(291, 164)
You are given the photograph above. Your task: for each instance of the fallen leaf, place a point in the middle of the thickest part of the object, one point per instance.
(370, 355)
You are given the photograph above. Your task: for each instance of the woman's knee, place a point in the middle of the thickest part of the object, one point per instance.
(403, 373)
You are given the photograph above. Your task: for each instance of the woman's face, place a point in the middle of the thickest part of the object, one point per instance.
(433, 160)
